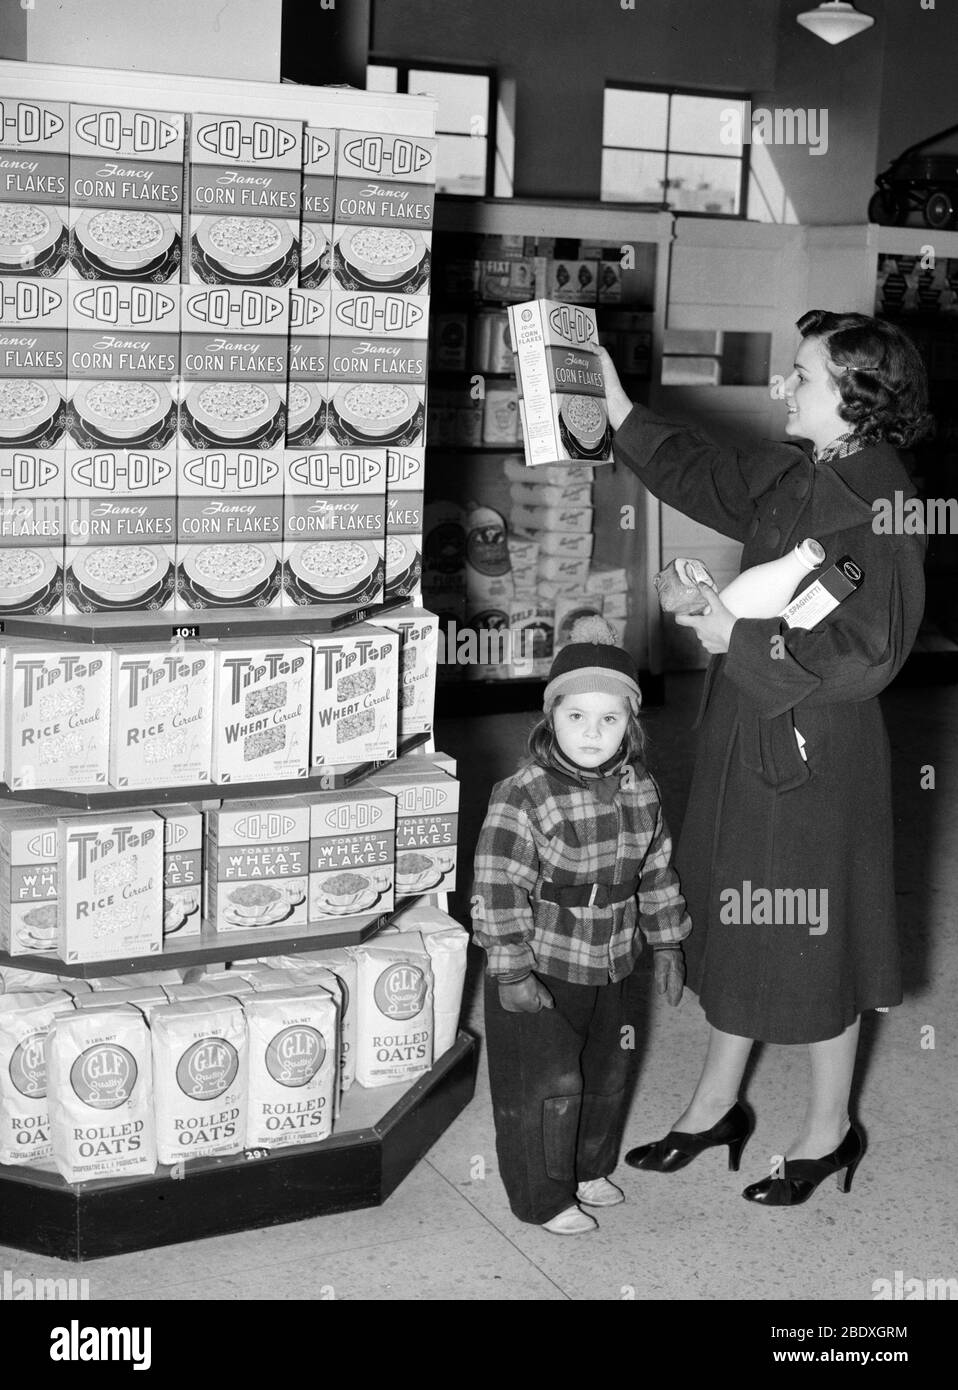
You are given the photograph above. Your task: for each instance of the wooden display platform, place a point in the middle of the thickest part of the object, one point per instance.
(383, 1133)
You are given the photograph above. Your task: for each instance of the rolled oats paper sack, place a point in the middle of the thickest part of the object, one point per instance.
(342, 964)
(394, 1002)
(292, 1067)
(447, 943)
(295, 972)
(100, 1092)
(25, 1020)
(200, 1059)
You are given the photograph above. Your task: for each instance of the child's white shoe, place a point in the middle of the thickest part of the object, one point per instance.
(599, 1192)
(571, 1222)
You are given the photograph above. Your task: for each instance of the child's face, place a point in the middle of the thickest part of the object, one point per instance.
(590, 727)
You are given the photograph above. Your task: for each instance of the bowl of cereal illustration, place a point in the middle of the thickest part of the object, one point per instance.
(120, 573)
(27, 233)
(244, 246)
(313, 244)
(416, 872)
(303, 404)
(118, 411)
(125, 239)
(381, 255)
(336, 569)
(228, 411)
(24, 574)
(346, 891)
(586, 419)
(26, 409)
(373, 410)
(403, 566)
(263, 904)
(229, 571)
(38, 928)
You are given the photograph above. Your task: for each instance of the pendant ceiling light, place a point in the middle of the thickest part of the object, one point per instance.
(835, 21)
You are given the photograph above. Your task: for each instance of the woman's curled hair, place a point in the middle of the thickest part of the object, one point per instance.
(879, 374)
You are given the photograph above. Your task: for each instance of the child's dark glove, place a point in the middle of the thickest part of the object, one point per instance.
(669, 969)
(526, 996)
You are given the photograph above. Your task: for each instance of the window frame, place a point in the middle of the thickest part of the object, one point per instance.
(403, 68)
(679, 91)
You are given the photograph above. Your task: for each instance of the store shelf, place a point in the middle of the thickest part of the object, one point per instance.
(94, 629)
(381, 1136)
(114, 798)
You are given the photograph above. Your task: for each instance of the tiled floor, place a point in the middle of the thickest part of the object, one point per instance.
(447, 1232)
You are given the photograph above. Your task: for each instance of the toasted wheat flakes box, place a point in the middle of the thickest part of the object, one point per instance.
(161, 725)
(418, 632)
(25, 1020)
(352, 852)
(34, 187)
(111, 886)
(261, 710)
(355, 695)
(200, 1069)
(29, 880)
(182, 870)
(257, 864)
(293, 1058)
(427, 825)
(57, 708)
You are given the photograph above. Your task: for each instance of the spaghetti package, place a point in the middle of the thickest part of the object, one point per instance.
(24, 1119)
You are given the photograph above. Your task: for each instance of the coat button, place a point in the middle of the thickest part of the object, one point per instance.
(772, 536)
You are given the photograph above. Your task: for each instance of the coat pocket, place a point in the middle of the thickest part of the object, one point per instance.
(560, 1130)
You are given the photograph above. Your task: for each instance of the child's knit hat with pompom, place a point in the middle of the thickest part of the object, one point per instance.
(592, 662)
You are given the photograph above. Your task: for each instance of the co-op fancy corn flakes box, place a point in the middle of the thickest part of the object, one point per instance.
(57, 709)
(335, 516)
(126, 193)
(261, 710)
(245, 198)
(352, 852)
(561, 387)
(257, 864)
(355, 696)
(319, 193)
(405, 469)
(427, 824)
(34, 187)
(308, 367)
(229, 528)
(111, 886)
(161, 724)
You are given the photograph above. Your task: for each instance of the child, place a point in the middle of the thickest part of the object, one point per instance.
(573, 861)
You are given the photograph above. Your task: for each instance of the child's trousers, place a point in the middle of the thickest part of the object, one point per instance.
(560, 1089)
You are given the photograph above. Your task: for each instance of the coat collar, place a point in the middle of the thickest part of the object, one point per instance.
(844, 489)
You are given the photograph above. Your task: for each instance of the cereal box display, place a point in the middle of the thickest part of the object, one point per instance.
(293, 1061)
(57, 715)
(34, 187)
(385, 197)
(257, 864)
(200, 1071)
(308, 365)
(110, 902)
(229, 528)
(355, 696)
(334, 528)
(427, 825)
(404, 508)
(126, 194)
(319, 194)
(352, 852)
(377, 336)
(246, 175)
(161, 720)
(29, 880)
(418, 632)
(261, 710)
(395, 1029)
(182, 870)
(561, 388)
(25, 1020)
(100, 1093)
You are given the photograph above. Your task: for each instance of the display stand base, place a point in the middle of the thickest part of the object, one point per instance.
(383, 1134)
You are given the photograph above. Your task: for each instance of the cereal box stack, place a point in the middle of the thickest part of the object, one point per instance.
(34, 187)
(33, 368)
(561, 390)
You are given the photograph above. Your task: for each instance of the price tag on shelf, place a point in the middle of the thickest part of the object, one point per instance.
(186, 630)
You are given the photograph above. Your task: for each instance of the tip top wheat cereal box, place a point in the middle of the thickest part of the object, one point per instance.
(126, 194)
(261, 710)
(561, 387)
(352, 851)
(58, 708)
(257, 864)
(161, 724)
(418, 632)
(111, 886)
(34, 187)
(355, 696)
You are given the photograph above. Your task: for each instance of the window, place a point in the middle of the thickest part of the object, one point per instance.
(673, 149)
(466, 121)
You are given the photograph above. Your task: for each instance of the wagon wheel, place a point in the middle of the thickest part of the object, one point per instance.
(939, 210)
(886, 208)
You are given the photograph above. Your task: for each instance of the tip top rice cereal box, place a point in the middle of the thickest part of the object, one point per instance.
(427, 825)
(34, 187)
(29, 880)
(257, 864)
(261, 710)
(161, 724)
(561, 387)
(352, 851)
(111, 886)
(182, 870)
(418, 632)
(355, 696)
(57, 707)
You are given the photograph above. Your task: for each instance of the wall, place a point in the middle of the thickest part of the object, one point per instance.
(207, 38)
(918, 93)
(13, 29)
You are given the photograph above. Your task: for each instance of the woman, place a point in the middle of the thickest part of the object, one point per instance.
(763, 811)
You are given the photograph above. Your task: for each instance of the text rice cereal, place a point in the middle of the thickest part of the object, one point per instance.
(58, 705)
(352, 847)
(100, 1093)
(562, 402)
(34, 187)
(319, 193)
(404, 506)
(355, 696)
(126, 193)
(25, 1020)
(334, 527)
(418, 632)
(182, 870)
(245, 187)
(394, 990)
(29, 880)
(111, 886)
(293, 1057)
(257, 864)
(200, 1068)
(161, 724)
(427, 825)
(261, 711)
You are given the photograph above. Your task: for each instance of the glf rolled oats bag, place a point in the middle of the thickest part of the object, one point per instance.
(447, 943)
(58, 716)
(24, 1120)
(292, 1067)
(261, 710)
(395, 1014)
(355, 696)
(342, 964)
(200, 1067)
(110, 901)
(100, 1090)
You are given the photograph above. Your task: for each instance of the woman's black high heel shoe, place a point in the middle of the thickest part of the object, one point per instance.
(678, 1148)
(803, 1175)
